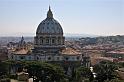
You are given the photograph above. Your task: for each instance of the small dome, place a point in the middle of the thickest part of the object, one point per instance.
(49, 25)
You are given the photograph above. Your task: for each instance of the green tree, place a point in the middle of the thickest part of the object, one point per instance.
(45, 72)
(82, 73)
(3, 69)
(105, 71)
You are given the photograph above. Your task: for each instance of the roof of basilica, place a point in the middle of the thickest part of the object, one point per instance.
(21, 52)
(70, 51)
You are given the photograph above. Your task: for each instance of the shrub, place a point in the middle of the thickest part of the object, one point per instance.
(13, 76)
(5, 80)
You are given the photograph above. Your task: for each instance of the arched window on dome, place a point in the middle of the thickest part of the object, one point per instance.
(59, 40)
(47, 40)
(41, 40)
(53, 41)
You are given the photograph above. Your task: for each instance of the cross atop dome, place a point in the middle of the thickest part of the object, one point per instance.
(49, 13)
(49, 7)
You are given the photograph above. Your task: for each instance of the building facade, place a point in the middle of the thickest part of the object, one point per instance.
(49, 37)
(48, 44)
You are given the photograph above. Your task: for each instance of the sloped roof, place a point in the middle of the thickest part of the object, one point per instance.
(70, 51)
(21, 52)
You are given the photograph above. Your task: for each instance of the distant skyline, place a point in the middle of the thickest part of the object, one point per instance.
(97, 17)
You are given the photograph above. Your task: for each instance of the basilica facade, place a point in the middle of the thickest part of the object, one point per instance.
(49, 36)
(48, 44)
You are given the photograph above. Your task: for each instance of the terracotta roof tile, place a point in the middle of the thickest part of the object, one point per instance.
(21, 52)
(70, 51)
